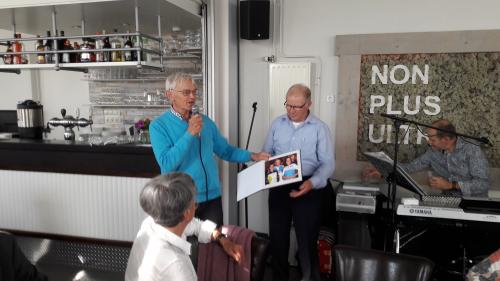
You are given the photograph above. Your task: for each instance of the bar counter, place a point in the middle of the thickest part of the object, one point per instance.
(75, 157)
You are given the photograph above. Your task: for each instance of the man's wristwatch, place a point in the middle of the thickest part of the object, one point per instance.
(454, 185)
(219, 237)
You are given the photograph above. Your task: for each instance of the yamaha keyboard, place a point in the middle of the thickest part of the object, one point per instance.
(445, 213)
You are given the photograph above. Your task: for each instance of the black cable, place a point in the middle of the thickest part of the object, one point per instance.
(204, 171)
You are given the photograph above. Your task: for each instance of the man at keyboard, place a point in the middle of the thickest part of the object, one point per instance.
(459, 167)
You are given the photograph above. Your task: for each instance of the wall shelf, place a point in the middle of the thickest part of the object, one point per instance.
(133, 105)
(82, 65)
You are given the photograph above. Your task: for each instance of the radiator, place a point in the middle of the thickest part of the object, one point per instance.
(100, 207)
(281, 77)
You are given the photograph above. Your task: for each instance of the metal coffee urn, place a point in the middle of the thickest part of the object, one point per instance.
(30, 119)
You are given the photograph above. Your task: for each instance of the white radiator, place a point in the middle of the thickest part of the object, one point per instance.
(99, 207)
(281, 77)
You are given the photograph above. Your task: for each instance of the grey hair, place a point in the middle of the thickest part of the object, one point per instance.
(173, 79)
(306, 92)
(166, 197)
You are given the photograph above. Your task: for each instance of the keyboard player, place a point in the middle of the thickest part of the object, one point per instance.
(460, 167)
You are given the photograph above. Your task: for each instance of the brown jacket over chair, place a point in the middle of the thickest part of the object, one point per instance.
(259, 252)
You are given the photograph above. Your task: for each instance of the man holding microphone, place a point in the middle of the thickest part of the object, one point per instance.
(184, 140)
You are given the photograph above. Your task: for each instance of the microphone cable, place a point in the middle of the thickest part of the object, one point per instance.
(194, 111)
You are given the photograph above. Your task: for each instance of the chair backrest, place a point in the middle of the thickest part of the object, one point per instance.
(260, 247)
(354, 264)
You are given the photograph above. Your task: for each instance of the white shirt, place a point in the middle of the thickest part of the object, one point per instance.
(160, 255)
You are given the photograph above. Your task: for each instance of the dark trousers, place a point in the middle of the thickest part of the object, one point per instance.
(305, 213)
(210, 210)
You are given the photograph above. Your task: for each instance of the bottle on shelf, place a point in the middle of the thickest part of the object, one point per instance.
(106, 45)
(18, 47)
(8, 59)
(99, 56)
(40, 58)
(85, 56)
(66, 56)
(55, 45)
(116, 43)
(75, 56)
(127, 55)
(92, 47)
(137, 45)
(48, 47)
(60, 45)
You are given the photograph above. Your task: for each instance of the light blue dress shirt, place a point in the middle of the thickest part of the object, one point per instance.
(313, 140)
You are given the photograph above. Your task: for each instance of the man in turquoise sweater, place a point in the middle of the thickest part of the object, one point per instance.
(188, 143)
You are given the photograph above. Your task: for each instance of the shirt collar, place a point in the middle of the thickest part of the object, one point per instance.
(310, 119)
(165, 235)
(459, 144)
(177, 114)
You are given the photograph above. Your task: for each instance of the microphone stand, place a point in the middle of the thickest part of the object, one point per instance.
(244, 166)
(398, 121)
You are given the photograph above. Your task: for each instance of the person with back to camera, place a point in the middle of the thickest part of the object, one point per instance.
(460, 168)
(301, 202)
(176, 138)
(160, 250)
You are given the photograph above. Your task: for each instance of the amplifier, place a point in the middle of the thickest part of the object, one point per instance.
(357, 199)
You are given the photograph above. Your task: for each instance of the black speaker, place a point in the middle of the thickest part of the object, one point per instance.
(254, 20)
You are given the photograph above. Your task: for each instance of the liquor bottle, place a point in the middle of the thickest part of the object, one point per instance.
(92, 47)
(116, 43)
(99, 57)
(40, 58)
(85, 56)
(137, 45)
(76, 56)
(17, 47)
(8, 59)
(55, 45)
(60, 46)
(128, 54)
(106, 45)
(48, 47)
(66, 56)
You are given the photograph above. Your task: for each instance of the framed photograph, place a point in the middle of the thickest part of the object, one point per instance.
(283, 169)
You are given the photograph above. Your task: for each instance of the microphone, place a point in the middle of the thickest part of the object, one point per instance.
(195, 110)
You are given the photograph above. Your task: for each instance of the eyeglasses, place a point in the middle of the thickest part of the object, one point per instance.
(296, 107)
(186, 93)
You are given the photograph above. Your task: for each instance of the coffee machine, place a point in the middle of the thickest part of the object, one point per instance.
(30, 119)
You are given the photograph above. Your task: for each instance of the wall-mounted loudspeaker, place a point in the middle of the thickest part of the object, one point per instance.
(254, 20)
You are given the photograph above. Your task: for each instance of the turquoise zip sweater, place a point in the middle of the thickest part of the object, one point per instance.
(176, 149)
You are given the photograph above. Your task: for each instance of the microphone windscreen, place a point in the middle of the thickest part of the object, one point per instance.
(195, 110)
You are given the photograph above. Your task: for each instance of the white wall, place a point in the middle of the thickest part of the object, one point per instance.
(309, 29)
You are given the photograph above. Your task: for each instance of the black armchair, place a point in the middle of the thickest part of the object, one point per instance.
(354, 264)
(260, 248)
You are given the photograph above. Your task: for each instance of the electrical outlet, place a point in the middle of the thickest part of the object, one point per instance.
(330, 99)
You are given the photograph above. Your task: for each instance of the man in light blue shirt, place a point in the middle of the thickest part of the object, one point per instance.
(300, 130)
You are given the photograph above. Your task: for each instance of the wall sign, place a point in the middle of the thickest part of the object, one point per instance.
(461, 87)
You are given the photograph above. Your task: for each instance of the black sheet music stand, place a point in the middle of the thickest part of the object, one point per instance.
(384, 164)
